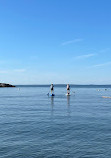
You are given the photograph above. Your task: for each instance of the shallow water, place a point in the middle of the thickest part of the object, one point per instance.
(33, 125)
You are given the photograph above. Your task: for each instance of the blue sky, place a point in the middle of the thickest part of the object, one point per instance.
(61, 41)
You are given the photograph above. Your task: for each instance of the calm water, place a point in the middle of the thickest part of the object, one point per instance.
(33, 125)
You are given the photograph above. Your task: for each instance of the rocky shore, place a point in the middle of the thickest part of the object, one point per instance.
(6, 85)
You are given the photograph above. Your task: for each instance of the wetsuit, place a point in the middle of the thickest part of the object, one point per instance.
(52, 88)
(68, 89)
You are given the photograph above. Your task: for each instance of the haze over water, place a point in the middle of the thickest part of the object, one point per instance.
(34, 125)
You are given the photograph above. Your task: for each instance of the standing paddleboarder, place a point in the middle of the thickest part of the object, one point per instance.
(52, 89)
(68, 89)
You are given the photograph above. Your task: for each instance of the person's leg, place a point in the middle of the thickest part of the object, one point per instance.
(68, 91)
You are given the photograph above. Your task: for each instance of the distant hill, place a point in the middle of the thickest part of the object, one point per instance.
(6, 85)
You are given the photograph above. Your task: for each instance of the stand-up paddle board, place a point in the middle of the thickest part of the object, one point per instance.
(68, 94)
(52, 95)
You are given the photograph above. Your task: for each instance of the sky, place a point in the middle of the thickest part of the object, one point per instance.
(61, 41)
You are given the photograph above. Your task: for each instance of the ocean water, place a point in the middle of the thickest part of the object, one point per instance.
(34, 125)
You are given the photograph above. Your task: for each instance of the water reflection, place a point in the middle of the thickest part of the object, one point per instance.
(68, 100)
(68, 105)
(52, 104)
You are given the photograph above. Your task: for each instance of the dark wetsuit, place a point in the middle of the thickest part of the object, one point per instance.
(52, 87)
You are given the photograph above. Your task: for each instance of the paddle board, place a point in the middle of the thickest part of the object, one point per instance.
(68, 94)
(52, 95)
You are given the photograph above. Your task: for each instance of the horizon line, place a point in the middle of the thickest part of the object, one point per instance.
(60, 84)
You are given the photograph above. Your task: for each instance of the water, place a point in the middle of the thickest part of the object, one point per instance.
(33, 125)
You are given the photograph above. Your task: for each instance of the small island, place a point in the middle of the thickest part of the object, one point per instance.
(6, 85)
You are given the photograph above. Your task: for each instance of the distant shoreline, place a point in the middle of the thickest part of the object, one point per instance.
(6, 85)
(57, 85)
(64, 85)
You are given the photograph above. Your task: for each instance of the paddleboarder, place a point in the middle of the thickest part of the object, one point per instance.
(52, 88)
(68, 89)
